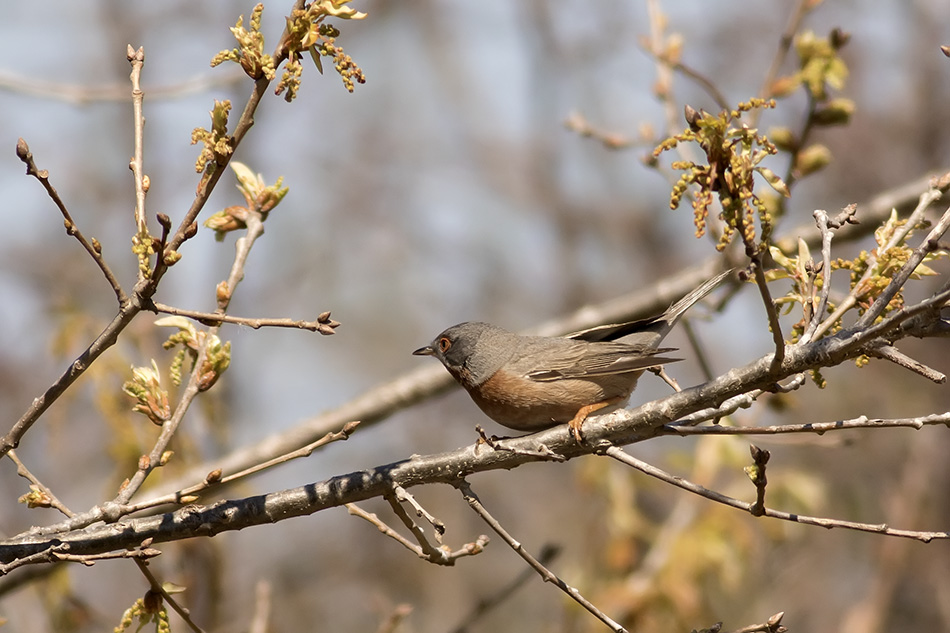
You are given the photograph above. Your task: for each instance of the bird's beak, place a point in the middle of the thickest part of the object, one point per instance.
(424, 351)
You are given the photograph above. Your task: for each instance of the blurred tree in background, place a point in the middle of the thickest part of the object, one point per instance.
(498, 164)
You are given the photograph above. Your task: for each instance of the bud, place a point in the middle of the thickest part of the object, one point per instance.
(22, 150)
(838, 38)
(171, 258)
(223, 294)
(835, 112)
(812, 159)
(692, 117)
(783, 138)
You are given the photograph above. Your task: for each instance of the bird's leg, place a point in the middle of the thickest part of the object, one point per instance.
(584, 412)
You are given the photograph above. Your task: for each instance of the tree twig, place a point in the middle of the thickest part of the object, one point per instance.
(546, 574)
(213, 318)
(157, 587)
(137, 60)
(817, 428)
(50, 499)
(548, 554)
(93, 248)
(880, 528)
(145, 288)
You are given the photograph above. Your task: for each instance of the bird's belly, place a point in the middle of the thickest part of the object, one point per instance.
(527, 405)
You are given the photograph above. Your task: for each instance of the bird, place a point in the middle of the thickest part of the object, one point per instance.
(531, 383)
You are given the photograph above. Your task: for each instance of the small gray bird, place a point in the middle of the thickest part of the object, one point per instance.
(529, 383)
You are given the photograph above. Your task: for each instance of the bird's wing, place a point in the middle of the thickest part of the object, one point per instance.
(580, 360)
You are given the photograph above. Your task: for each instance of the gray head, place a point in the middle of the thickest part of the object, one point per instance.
(472, 351)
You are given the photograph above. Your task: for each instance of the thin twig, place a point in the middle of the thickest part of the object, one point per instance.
(50, 499)
(59, 553)
(255, 228)
(497, 444)
(93, 248)
(548, 553)
(819, 428)
(535, 564)
(824, 227)
(891, 353)
(691, 73)
(401, 495)
(772, 625)
(898, 281)
(139, 554)
(188, 495)
(699, 351)
(424, 549)
(429, 551)
(137, 60)
(145, 288)
(881, 528)
(213, 318)
(157, 587)
(774, 325)
(924, 201)
(785, 45)
(40, 404)
(373, 518)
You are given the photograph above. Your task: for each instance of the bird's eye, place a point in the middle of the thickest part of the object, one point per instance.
(444, 344)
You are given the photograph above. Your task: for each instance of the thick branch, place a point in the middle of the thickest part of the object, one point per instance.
(618, 428)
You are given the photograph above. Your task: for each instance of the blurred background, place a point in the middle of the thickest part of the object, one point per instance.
(448, 188)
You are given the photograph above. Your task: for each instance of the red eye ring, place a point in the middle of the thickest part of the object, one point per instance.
(444, 344)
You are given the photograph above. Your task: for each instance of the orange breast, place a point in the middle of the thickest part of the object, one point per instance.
(527, 405)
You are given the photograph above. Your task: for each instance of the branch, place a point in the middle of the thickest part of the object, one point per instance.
(785, 45)
(933, 193)
(618, 428)
(214, 478)
(145, 288)
(157, 588)
(881, 528)
(621, 427)
(926, 247)
(48, 499)
(93, 248)
(378, 403)
(323, 324)
(775, 327)
(137, 60)
(424, 549)
(533, 562)
(485, 605)
(825, 226)
(891, 353)
(820, 428)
